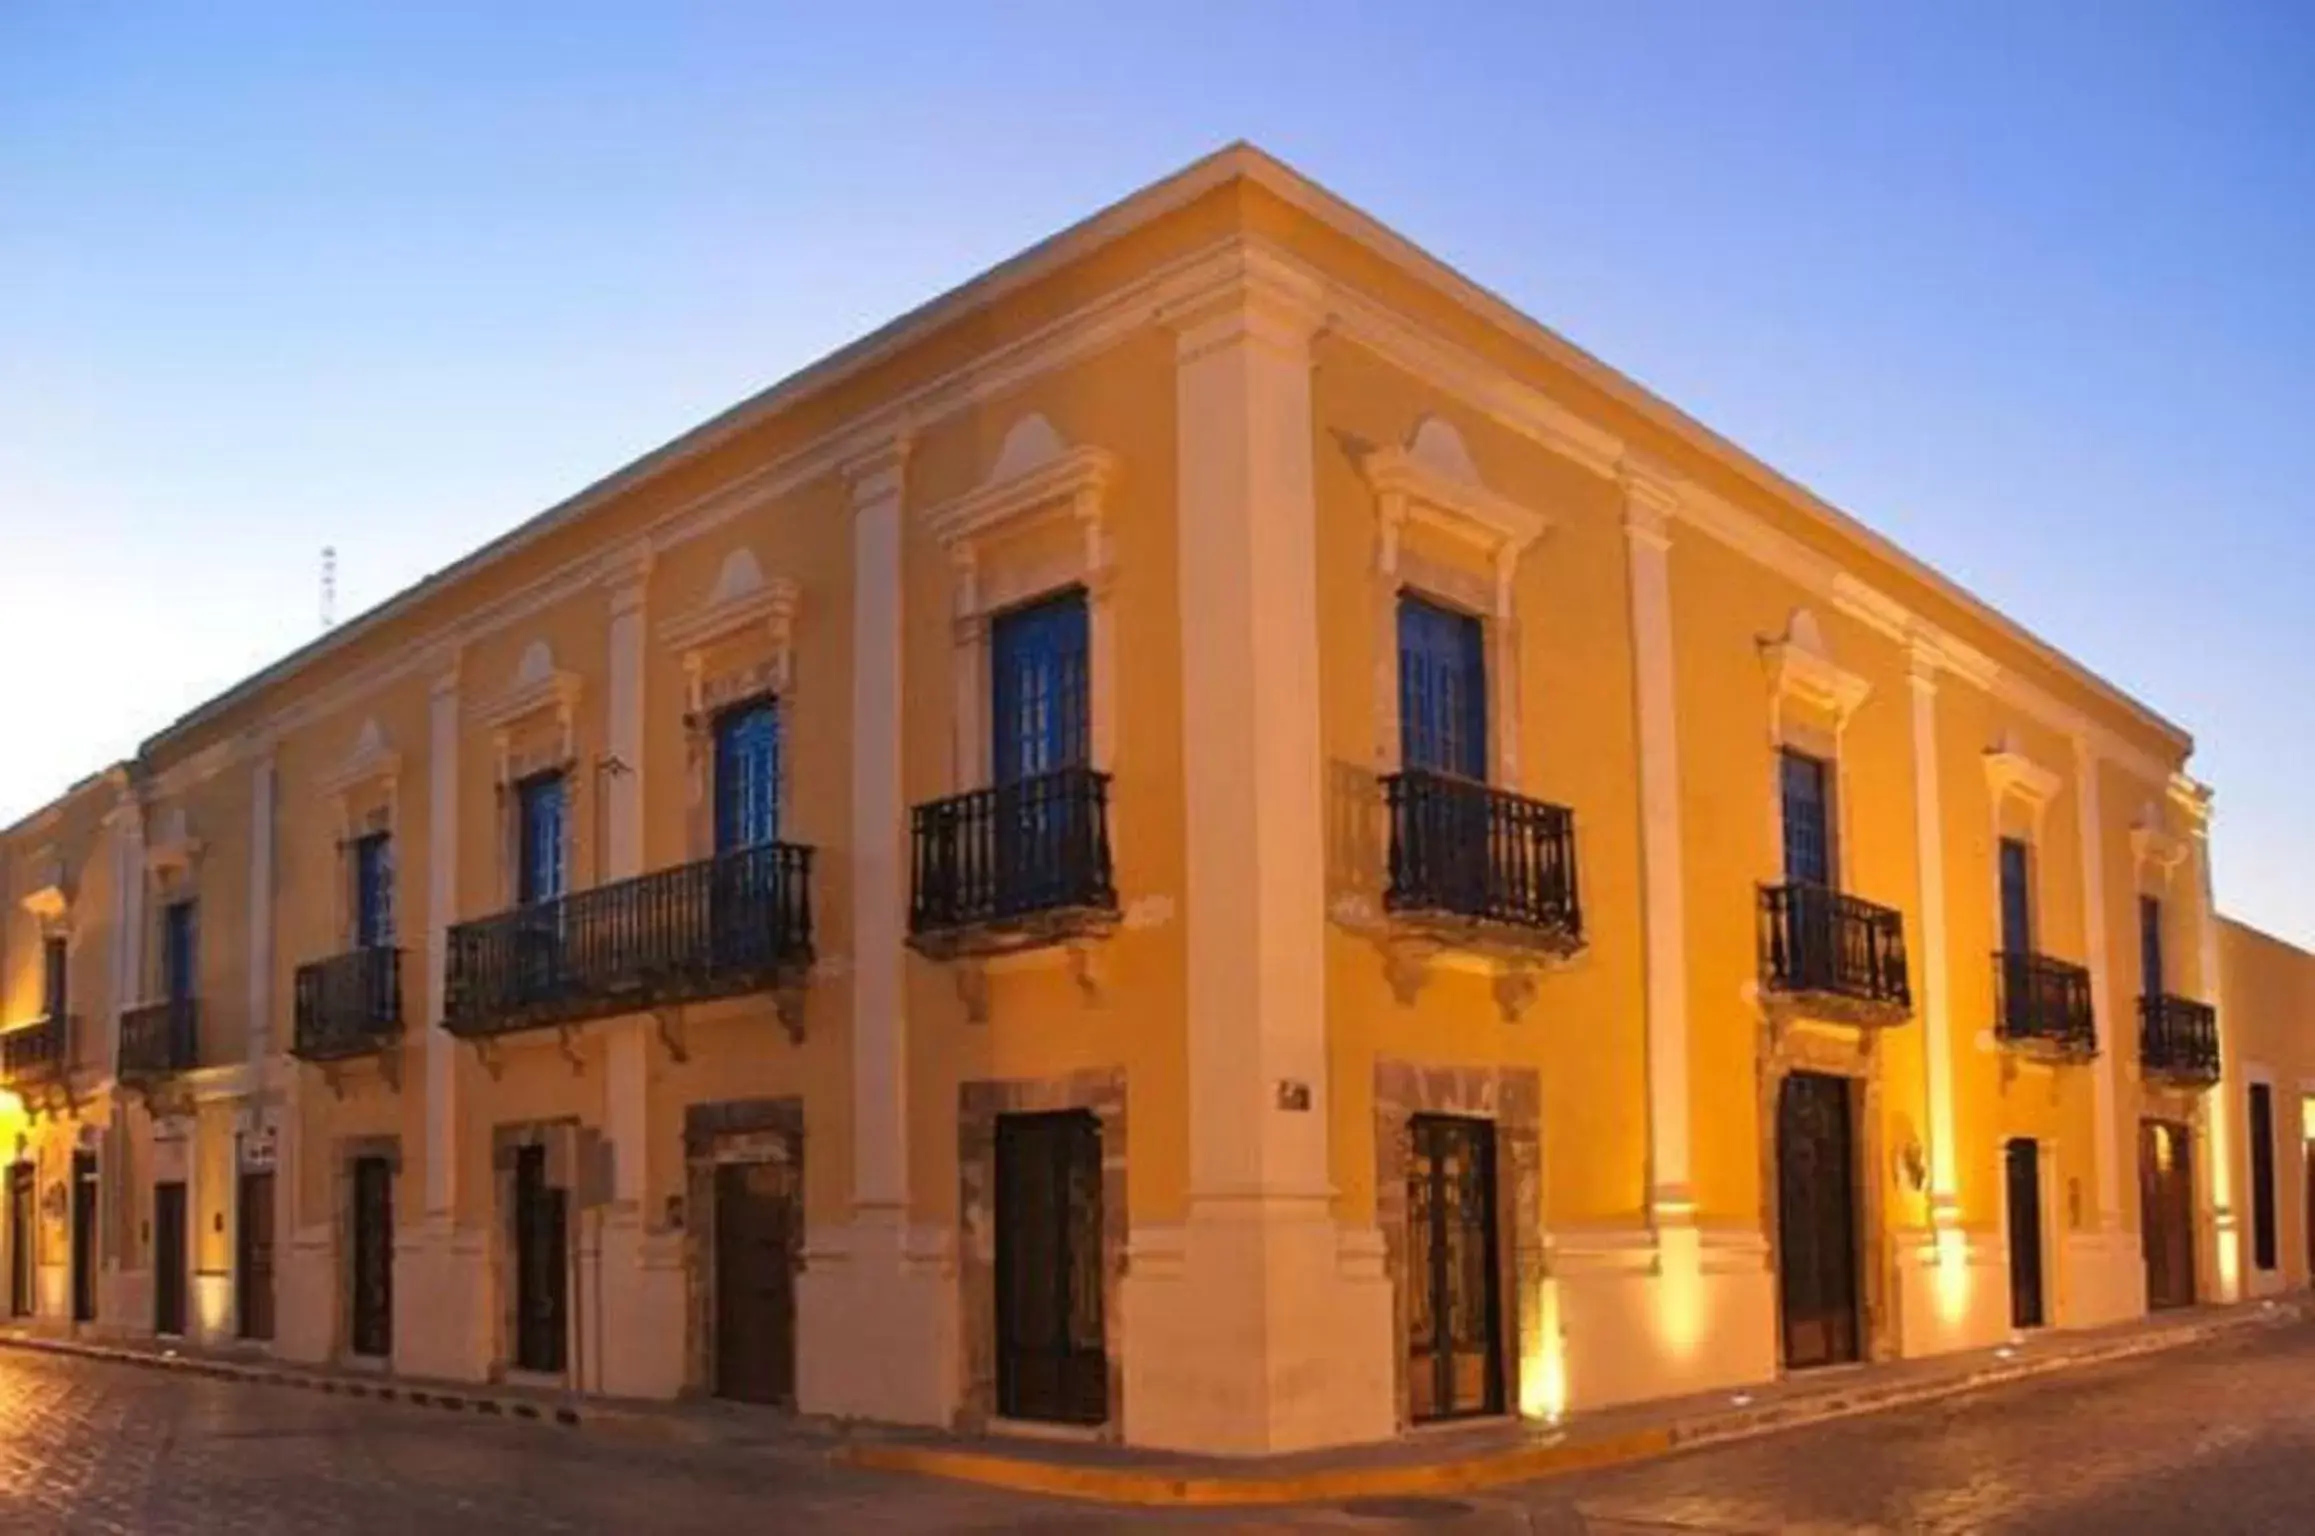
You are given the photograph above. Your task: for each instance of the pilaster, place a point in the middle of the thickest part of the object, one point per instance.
(1932, 974)
(2112, 1013)
(441, 910)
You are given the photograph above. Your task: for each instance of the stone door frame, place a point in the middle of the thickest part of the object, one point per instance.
(979, 1103)
(1850, 1052)
(727, 1131)
(345, 1152)
(1511, 1099)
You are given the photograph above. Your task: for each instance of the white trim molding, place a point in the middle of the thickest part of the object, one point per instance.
(49, 897)
(2008, 771)
(1801, 670)
(371, 758)
(538, 687)
(742, 599)
(175, 850)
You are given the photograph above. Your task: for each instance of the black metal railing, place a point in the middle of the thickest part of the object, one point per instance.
(1815, 940)
(2178, 1039)
(2044, 1002)
(36, 1051)
(160, 1039)
(1033, 848)
(1462, 850)
(739, 922)
(349, 1004)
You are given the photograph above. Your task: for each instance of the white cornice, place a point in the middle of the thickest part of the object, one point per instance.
(1074, 481)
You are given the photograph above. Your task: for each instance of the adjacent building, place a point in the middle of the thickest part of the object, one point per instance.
(1215, 838)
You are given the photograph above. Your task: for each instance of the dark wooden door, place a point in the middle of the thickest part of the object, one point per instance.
(756, 1230)
(2307, 1154)
(1454, 1300)
(2022, 1161)
(2166, 1211)
(169, 1257)
(21, 1183)
(541, 1264)
(1816, 1221)
(84, 1213)
(253, 1256)
(1052, 1356)
(370, 1265)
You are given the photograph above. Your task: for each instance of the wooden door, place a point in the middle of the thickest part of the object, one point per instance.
(2022, 1161)
(169, 1257)
(1454, 1299)
(253, 1256)
(757, 1224)
(2307, 1153)
(370, 1262)
(2166, 1211)
(1052, 1354)
(21, 1182)
(84, 1217)
(1816, 1221)
(541, 1265)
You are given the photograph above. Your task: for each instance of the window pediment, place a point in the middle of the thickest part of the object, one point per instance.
(2154, 847)
(172, 849)
(1801, 670)
(2008, 771)
(371, 759)
(1432, 481)
(50, 895)
(1036, 476)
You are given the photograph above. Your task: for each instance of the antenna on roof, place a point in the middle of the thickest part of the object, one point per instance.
(329, 585)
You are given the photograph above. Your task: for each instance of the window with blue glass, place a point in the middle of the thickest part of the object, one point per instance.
(539, 857)
(2017, 887)
(1442, 689)
(747, 776)
(1041, 704)
(373, 874)
(1807, 792)
(177, 951)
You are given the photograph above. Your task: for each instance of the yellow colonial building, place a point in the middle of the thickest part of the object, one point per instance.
(1214, 838)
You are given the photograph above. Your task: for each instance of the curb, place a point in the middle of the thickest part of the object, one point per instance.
(1156, 1487)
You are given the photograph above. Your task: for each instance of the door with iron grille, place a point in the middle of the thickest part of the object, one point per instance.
(758, 1221)
(1816, 1221)
(2166, 1211)
(169, 1278)
(84, 1208)
(370, 1260)
(20, 1225)
(1454, 1298)
(541, 1260)
(1052, 1355)
(253, 1256)
(2022, 1164)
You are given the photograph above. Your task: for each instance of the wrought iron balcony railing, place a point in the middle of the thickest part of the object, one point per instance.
(1497, 864)
(348, 1005)
(738, 922)
(40, 1051)
(2178, 1040)
(1016, 864)
(160, 1040)
(2043, 1003)
(1817, 943)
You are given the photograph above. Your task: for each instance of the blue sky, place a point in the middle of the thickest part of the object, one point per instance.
(2027, 287)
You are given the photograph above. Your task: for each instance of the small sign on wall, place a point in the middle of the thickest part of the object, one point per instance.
(1293, 1095)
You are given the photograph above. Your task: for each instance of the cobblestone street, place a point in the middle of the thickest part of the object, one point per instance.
(2211, 1439)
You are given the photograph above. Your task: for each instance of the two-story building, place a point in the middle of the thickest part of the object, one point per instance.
(1214, 837)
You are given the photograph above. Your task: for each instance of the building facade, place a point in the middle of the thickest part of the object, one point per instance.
(1213, 838)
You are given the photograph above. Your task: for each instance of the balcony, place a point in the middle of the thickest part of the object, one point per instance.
(1481, 868)
(36, 1053)
(2043, 1005)
(740, 922)
(1834, 954)
(348, 1005)
(160, 1040)
(1012, 867)
(2178, 1041)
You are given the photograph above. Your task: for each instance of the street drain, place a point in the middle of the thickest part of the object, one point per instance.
(1406, 1508)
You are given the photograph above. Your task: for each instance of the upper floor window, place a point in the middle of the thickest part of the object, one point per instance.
(539, 866)
(1041, 702)
(2150, 946)
(373, 876)
(1806, 786)
(52, 967)
(1442, 689)
(747, 776)
(2017, 896)
(179, 962)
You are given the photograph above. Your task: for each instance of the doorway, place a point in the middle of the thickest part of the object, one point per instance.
(2022, 1176)
(1816, 1221)
(169, 1257)
(1052, 1352)
(757, 1210)
(20, 1276)
(370, 1261)
(541, 1265)
(84, 1215)
(2166, 1211)
(253, 1256)
(1454, 1297)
